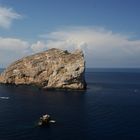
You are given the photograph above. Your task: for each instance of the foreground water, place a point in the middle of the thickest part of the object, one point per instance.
(108, 110)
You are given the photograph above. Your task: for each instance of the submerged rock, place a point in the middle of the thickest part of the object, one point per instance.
(54, 68)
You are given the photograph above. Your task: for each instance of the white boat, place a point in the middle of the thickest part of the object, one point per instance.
(45, 120)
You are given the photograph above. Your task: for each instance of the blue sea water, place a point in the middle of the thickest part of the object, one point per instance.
(108, 110)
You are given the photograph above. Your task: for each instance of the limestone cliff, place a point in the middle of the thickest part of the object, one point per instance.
(54, 68)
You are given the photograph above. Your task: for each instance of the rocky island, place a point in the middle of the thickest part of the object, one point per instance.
(51, 69)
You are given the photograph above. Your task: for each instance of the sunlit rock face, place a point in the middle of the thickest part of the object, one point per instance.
(54, 68)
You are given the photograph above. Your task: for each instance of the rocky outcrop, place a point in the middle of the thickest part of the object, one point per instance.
(54, 68)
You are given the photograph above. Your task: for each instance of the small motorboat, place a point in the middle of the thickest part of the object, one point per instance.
(45, 120)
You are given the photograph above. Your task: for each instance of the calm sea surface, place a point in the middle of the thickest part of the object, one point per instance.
(108, 110)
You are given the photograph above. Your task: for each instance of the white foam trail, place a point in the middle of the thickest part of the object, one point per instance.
(52, 121)
(4, 98)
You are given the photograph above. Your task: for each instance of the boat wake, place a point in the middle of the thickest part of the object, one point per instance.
(4, 98)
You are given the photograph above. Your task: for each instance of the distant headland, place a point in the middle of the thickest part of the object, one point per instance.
(51, 69)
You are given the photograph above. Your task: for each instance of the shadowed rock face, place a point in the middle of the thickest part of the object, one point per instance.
(54, 68)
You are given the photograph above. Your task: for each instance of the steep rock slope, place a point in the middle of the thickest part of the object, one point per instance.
(54, 68)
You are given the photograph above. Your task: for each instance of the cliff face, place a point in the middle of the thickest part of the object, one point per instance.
(50, 69)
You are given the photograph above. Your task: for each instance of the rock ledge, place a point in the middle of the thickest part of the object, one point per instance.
(53, 68)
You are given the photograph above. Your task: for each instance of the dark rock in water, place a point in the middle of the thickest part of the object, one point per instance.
(54, 68)
(45, 120)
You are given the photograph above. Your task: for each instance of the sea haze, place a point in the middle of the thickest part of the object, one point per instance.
(107, 110)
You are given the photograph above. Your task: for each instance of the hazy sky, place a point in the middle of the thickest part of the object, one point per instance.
(108, 31)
